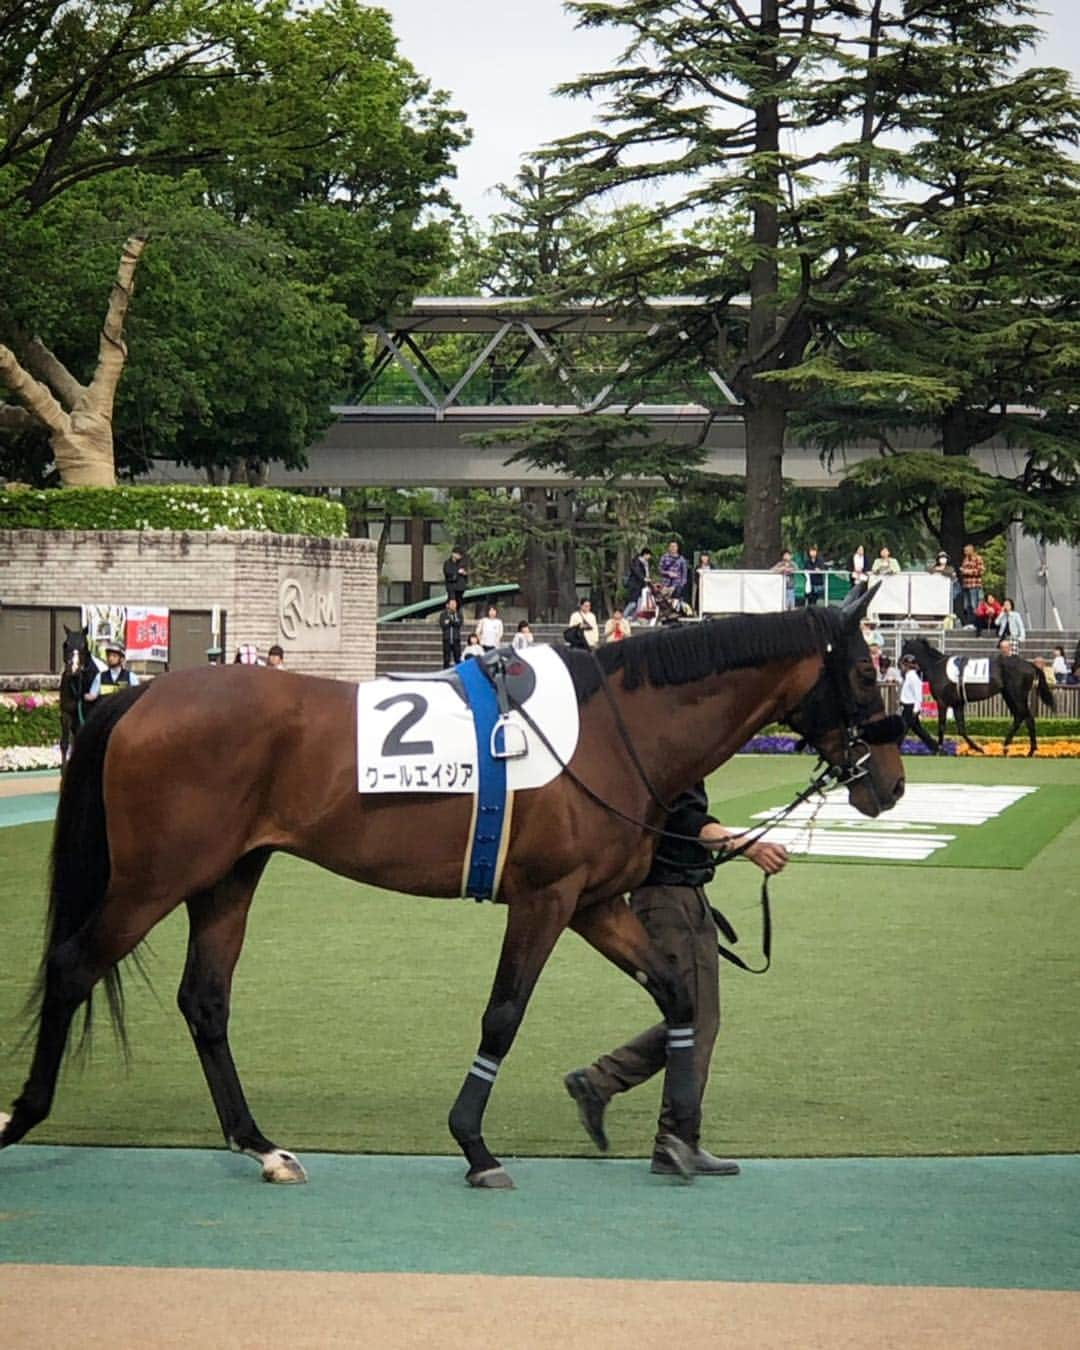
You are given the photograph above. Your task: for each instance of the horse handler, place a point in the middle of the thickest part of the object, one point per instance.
(674, 910)
(114, 677)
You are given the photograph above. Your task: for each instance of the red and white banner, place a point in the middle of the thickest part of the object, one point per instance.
(146, 633)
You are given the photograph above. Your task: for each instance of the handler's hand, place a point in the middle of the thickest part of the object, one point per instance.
(771, 858)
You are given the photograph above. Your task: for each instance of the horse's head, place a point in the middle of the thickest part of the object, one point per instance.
(844, 719)
(76, 649)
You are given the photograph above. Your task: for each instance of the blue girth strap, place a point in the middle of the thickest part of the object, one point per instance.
(491, 784)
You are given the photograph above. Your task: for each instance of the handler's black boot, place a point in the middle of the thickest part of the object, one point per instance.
(705, 1165)
(590, 1105)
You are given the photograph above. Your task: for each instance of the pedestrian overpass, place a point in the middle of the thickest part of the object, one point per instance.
(521, 360)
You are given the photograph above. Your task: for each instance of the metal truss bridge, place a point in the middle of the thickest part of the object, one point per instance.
(519, 361)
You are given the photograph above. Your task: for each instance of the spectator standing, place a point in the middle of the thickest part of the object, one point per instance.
(456, 577)
(971, 578)
(814, 568)
(858, 565)
(637, 581)
(673, 571)
(584, 618)
(523, 637)
(450, 628)
(276, 656)
(885, 565)
(490, 629)
(617, 627)
(1059, 667)
(787, 566)
(1010, 625)
(941, 567)
(247, 654)
(911, 703)
(674, 909)
(114, 677)
(704, 564)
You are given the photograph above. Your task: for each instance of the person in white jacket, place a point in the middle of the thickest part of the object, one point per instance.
(911, 703)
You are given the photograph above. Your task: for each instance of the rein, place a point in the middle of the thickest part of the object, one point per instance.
(824, 775)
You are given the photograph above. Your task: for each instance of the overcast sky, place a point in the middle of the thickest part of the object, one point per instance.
(500, 60)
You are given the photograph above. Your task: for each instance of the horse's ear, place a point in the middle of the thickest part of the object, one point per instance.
(856, 602)
(67, 631)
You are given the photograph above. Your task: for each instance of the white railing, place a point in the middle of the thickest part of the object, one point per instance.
(722, 591)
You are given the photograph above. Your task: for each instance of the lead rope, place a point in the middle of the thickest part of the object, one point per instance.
(822, 774)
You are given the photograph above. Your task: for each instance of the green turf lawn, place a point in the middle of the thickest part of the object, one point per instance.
(908, 1011)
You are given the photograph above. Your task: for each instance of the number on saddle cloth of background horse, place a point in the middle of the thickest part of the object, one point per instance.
(76, 677)
(239, 787)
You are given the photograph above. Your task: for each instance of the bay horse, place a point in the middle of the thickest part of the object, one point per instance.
(261, 760)
(1010, 676)
(75, 680)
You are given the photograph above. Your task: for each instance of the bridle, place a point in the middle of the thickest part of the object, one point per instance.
(811, 721)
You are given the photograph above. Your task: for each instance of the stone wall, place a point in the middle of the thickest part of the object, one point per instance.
(317, 597)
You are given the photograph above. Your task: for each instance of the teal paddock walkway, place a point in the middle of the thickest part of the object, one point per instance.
(999, 1222)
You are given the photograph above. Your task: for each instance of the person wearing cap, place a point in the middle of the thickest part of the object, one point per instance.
(456, 576)
(911, 703)
(214, 656)
(114, 677)
(941, 567)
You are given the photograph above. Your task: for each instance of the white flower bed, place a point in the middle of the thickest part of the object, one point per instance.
(29, 757)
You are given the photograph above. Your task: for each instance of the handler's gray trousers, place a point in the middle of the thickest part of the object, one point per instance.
(679, 921)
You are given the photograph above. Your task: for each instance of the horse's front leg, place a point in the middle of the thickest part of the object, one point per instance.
(613, 928)
(961, 726)
(533, 925)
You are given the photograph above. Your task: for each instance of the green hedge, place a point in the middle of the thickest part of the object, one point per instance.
(991, 728)
(29, 726)
(171, 508)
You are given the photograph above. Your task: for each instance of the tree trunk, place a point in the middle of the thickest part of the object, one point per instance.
(534, 587)
(80, 435)
(565, 556)
(764, 484)
(764, 414)
(952, 534)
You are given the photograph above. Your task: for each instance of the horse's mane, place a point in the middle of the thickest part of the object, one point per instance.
(683, 653)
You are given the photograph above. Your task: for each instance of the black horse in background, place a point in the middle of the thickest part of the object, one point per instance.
(75, 681)
(1010, 676)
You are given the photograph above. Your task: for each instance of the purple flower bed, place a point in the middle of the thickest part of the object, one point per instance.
(785, 745)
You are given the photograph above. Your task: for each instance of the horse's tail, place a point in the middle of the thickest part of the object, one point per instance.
(1046, 694)
(79, 875)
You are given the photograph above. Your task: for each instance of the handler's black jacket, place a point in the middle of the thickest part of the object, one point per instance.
(682, 862)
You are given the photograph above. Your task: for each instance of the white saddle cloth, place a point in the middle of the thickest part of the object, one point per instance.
(975, 670)
(418, 736)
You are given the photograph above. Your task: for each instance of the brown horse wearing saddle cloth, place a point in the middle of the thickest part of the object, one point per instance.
(262, 761)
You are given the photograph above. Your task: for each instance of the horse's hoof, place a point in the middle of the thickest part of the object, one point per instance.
(284, 1169)
(4, 1118)
(493, 1179)
(680, 1154)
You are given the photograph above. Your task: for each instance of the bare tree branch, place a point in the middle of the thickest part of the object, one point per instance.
(31, 393)
(48, 367)
(13, 418)
(112, 350)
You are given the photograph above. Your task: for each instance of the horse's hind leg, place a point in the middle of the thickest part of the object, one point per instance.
(71, 972)
(1021, 715)
(218, 918)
